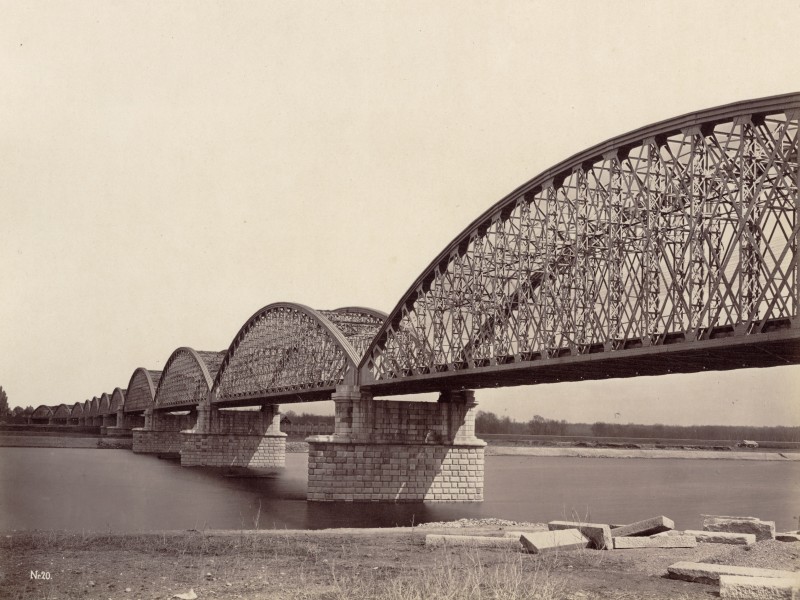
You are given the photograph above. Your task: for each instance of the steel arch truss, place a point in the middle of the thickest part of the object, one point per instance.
(285, 349)
(77, 411)
(141, 390)
(359, 325)
(105, 405)
(62, 411)
(682, 231)
(117, 400)
(187, 378)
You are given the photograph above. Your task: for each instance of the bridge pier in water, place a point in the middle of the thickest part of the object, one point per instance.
(229, 438)
(389, 451)
(161, 433)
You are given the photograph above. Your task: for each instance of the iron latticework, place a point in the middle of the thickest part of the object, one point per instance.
(141, 390)
(187, 378)
(62, 411)
(104, 407)
(359, 325)
(681, 232)
(284, 349)
(117, 400)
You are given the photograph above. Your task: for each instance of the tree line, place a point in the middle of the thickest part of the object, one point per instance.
(488, 422)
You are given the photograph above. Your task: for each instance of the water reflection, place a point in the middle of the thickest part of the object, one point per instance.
(87, 489)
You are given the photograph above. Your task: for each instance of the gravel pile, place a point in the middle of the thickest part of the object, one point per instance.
(489, 522)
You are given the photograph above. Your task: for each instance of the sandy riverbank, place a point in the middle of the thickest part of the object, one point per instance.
(348, 564)
(33, 441)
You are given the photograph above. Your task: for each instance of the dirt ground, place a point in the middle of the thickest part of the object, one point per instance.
(340, 564)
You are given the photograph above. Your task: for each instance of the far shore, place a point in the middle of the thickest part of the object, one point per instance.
(493, 449)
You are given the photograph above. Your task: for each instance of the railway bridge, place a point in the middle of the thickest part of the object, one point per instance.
(669, 249)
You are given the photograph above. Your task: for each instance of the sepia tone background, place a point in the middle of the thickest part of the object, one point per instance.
(169, 168)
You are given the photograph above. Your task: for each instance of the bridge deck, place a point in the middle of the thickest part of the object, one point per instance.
(764, 350)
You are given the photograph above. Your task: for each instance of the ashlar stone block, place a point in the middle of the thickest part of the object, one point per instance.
(722, 537)
(476, 541)
(710, 573)
(599, 534)
(550, 541)
(667, 541)
(646, 527)
(739, 587)
(763, 530)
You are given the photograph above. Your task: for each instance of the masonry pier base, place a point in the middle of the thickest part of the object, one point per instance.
(385, 451)
(247, 439)
(161, 432)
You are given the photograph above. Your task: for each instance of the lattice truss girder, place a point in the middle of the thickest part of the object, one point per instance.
(184, 382)
(282, 350)
(676, 235)
(140, 395)
(358, 326)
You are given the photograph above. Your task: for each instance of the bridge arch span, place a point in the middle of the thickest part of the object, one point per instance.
(290, 352)
(187, 378)
(141, 390)
(117, 400)
(675, 235)
(104, 406)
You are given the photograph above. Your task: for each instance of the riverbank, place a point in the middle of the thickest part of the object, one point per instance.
(104, 442)
(341, 564)
(67, 441)
(639, 453)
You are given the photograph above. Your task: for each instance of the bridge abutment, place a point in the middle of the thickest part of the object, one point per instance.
(161, 433)
(221, 438)
(389, 451)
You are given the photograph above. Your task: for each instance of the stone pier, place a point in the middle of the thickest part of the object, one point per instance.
(389, 451)
(161, 433)
(230, 438)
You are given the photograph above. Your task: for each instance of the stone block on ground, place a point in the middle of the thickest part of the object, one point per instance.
(740, 587)
(517, 534)
(550, 541)
(722, 537)
(787, 537)
(669, 533)
(667, 541)
(476, 541)
(763, 530)
(710, 573)
(646, 527)
(599, 534)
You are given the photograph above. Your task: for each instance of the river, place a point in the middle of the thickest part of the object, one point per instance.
(116, 490)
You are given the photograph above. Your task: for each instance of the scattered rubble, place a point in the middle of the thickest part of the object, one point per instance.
(488, 522)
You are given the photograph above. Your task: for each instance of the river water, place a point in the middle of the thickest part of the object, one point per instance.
(88, 489)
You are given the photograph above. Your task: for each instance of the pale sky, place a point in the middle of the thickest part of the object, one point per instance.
(168, 168)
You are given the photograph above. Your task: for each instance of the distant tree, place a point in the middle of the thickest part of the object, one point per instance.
(4, 411)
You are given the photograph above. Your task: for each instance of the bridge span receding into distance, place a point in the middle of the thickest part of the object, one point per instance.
(669, 249)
